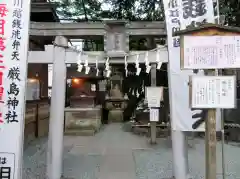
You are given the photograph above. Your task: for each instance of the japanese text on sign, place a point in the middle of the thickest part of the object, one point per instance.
(214, 52)
(213, 92)
(195, 12)
(14, 15)
(7, 162)
(3, 14)
(14, 70)
(173, 16)
(154, 115)
(188, 13)
(154, 96)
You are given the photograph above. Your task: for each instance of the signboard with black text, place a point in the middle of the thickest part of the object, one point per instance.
(179, 15)
(14, 28)
(210, 52)
(213, 92)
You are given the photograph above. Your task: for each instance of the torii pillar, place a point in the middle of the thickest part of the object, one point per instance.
(55, 138)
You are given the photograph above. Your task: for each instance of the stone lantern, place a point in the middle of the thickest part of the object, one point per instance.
(116, 102)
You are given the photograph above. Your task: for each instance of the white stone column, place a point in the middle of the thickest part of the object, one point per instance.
(55, 141)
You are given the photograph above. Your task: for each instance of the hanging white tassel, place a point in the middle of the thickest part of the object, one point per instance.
(138, 71)
(79, 58)
(137, 61)
(97, 70)
(107, 68)
(159, 65)
(137, 94)
(86, 62)
(80, 68)
(107, 64)
(142, 89)
(148, 69)
(108, 73)
(87, 70)
(126, 66)
(79, 62)
(137, 65)
(146, 59)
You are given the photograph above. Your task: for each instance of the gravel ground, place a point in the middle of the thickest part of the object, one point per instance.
(84, 156)
(157, 163)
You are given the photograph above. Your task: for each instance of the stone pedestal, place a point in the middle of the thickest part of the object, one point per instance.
(82, 121)
(115, 107)
(115, 115)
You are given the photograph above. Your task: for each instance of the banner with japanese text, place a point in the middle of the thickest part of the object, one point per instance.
(180, 14)
(14, 28)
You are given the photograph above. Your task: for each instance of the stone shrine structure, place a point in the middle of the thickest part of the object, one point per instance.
(115, 101)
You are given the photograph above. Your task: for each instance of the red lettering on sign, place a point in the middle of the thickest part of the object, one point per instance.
(1, 77)
(3, 10)
(1, 91)
(2, 26)
(1, 94)
(1, 118)
(1, 88)
(3, 13)
(2, 44)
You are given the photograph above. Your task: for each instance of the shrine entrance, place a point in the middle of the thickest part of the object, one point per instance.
(107, 85)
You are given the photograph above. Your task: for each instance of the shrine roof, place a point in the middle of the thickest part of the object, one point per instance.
(205, 27)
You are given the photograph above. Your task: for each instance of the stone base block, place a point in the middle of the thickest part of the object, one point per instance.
(82, 121)
(115, 116)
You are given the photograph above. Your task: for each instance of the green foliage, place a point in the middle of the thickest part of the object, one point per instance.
(148, 10)
(120, 9)
(231, 10)
(78, 9)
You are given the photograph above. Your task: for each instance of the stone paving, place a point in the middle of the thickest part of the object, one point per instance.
(115, 154)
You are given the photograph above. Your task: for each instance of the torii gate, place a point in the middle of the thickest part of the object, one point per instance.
(116, 39)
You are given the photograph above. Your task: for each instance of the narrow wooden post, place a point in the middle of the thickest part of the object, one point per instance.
(37, 119)
(153, 124)
(210, 142)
